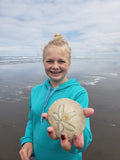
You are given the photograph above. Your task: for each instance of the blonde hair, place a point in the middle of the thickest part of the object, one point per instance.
(58, 41)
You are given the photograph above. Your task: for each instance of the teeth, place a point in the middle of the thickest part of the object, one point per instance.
(55, 72)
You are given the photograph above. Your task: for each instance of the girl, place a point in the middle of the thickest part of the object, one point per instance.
(40, 137)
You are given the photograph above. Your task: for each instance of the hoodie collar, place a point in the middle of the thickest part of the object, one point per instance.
(63, 85)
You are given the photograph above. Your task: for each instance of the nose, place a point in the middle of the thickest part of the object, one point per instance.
(55, 65)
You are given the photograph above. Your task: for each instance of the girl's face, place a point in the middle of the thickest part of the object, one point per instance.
(56, 63)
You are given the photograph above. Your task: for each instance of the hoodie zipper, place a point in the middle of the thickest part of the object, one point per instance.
(47, 99)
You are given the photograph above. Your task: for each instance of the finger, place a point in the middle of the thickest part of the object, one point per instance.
(65, 143)
(78, 141)
(29, 153)
(88, 112)
(45, 116)
(23, 155)
(51, 133)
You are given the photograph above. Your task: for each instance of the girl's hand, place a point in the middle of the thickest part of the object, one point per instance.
(78, 140)
(26, 151)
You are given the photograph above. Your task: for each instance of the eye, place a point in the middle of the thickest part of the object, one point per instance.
(61, 61)
(49, 61)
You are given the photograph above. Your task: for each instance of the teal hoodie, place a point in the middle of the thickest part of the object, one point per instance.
(42, 96)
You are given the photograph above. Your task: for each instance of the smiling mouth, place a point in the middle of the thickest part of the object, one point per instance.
(53, 72)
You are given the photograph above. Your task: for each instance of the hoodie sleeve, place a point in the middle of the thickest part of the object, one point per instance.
(29, 129)
(82, 99)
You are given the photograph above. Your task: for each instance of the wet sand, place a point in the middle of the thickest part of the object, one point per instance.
(13, 118)
(105, 124)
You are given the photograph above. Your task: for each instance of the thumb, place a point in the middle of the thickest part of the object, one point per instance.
(88, 112)
(45, 116)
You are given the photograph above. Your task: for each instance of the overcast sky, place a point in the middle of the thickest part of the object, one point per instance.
(92, 27)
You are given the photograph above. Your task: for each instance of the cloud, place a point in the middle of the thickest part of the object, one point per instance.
(91, 26)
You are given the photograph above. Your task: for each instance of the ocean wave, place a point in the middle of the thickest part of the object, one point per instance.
(19, 59)
(94, 80)
(113, 74)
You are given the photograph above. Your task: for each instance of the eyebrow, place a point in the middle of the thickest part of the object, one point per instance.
(54, 59)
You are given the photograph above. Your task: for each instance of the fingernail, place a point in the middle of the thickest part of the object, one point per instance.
(75, 137)
(63, 137)
(49, 132)
(43, 117)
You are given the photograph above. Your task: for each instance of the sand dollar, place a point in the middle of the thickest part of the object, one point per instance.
(66, 116)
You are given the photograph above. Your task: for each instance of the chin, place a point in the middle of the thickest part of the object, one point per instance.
(56, 79)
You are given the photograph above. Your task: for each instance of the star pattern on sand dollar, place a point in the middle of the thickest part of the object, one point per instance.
(62, 119)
